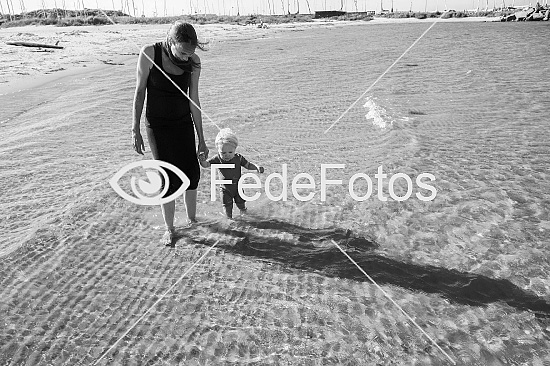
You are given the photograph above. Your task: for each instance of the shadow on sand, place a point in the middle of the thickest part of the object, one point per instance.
(312, 249)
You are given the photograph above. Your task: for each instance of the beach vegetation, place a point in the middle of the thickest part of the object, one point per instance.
(403, 14)
(354, 16)
(446, 15)
(63, 18)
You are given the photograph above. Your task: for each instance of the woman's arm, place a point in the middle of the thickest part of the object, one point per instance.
(142, 74)
(195, 112)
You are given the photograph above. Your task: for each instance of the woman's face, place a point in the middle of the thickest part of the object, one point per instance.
(182, 51)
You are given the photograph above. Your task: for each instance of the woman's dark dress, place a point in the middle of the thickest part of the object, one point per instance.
(170, 125)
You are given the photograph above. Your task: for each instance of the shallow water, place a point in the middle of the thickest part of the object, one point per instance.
(467, 104)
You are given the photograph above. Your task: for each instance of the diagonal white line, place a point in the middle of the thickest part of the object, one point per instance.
(396, 304)
(381, 76)
(155, 304)
(339, 248)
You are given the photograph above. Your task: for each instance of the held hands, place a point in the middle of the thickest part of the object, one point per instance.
(202, 160)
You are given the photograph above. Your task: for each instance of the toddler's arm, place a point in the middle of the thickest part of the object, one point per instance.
(252, 166)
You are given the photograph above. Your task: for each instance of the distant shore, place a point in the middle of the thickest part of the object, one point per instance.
(65, 18)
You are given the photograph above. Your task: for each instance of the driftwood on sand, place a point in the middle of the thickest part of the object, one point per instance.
(31, 44)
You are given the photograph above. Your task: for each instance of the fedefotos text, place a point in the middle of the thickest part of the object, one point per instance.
(305, 181)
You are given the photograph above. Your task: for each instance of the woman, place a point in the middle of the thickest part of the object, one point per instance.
(170, 116)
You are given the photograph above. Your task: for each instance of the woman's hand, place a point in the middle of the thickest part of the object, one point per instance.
(137, 142)
(203, 150)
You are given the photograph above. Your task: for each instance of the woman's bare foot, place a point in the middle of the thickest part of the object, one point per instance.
(168, 237)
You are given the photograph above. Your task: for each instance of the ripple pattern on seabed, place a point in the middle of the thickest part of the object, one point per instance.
(88, 264)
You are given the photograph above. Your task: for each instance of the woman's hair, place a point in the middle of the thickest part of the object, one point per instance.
(182, 32)
(226, 136)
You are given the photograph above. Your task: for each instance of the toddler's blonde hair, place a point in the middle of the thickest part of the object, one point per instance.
(226, 136)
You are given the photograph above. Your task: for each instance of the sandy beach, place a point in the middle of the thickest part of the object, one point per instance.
(84, 280)
(100, 46)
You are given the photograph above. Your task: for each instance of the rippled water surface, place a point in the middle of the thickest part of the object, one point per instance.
(468, 104)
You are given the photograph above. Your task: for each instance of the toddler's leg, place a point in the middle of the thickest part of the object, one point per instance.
(227, 201)
(240, 202)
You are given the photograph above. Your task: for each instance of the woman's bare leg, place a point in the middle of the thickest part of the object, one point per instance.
(168, 212)
(191, 204)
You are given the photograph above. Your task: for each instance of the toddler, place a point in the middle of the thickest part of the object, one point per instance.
(226, 143)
